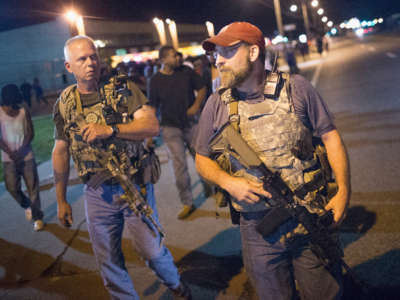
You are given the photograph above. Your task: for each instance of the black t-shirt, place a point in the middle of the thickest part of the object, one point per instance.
(308, 105)
(173, 95)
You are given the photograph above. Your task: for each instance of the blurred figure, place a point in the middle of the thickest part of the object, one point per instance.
(184, 64)
(38, 91)
(303, 48)
(326, 43)
(215, 79)
(290, 56)
(16, 135)
(172, 91)
(64, 78)
(26, 90)
(319, 44)
(148, 71)
(201, 67)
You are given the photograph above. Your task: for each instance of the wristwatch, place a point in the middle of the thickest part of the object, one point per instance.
(115, 130)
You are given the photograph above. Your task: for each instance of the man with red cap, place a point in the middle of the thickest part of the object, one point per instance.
(277, 115)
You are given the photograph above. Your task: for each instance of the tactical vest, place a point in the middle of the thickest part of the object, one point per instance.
(283, 143)
(86, 156)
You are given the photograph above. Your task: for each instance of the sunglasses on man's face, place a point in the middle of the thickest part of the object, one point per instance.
(226, 52)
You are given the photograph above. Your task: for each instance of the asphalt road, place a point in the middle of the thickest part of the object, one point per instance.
(360, 81)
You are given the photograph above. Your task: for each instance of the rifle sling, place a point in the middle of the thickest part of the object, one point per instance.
(301, 191)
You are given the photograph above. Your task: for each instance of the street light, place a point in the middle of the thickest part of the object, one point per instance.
(330, 24)
(76, 20)
(324, 19)
(210, 28)
(160, 30)
(278, 15)
(314, 3)
(293, 8)
(173, 32)
(320, 11)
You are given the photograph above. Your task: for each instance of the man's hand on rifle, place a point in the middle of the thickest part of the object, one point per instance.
(246, 190)
(338, 205)
(91, 132)
(64, 213)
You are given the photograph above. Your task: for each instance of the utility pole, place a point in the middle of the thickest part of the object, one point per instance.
(305, 16)
(278, 16)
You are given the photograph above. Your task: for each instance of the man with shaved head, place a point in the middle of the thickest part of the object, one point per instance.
(112, 118)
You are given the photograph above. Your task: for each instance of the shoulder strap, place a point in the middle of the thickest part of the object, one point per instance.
(62, 105)
(78, 102)
(234, 117)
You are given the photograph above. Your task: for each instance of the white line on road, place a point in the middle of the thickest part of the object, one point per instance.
(315, 78)
(391, 54)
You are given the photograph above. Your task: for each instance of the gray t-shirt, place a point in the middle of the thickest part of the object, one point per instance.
(308, 105)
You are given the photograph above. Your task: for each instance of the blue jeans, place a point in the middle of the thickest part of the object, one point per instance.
(106, 216)
(272, 266)
(13, 171)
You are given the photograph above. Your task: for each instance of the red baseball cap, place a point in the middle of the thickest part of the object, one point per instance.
(235, 33)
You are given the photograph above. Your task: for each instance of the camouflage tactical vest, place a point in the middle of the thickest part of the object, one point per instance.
(282, 142)
(86, 156)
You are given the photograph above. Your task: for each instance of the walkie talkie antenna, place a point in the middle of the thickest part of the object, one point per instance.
(275, 62)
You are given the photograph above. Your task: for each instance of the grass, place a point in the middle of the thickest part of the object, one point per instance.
(42, 142)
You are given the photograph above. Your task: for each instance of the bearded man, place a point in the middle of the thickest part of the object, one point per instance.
(279, 128)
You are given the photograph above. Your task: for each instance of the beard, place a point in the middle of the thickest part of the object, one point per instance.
(231, 78)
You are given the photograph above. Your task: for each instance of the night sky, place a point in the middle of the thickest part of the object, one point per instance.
(17, 13)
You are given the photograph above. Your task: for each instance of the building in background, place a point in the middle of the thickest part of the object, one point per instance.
(37, 50)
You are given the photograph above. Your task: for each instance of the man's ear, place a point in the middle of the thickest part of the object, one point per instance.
(254, 52)
(68, 66)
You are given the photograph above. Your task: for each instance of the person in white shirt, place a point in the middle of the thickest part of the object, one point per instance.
(16, 135)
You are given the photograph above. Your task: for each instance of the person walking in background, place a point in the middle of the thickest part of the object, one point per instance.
(320, 44)
(172, 91)
(16, 135)
(38, 91)
(26, 90)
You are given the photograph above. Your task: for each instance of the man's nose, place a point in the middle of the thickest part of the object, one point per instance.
(91, 61)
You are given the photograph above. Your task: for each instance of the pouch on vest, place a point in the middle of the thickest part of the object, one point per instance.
(149, 168)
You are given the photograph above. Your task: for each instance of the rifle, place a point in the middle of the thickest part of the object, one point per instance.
(283, 201)
(115, 163)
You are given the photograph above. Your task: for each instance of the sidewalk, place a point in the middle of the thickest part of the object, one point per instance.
(58, 263)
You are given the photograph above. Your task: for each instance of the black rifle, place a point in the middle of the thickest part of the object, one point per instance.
(115, 163)
(283, 201)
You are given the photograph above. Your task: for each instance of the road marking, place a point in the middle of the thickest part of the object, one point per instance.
(391, 54)
(315, 78)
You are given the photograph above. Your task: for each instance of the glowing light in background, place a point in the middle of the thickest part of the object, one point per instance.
(303, 38)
